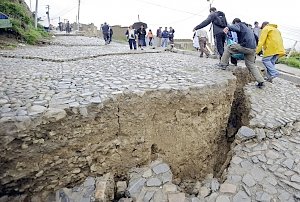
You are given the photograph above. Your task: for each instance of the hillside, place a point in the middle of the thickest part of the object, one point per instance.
(22, 22)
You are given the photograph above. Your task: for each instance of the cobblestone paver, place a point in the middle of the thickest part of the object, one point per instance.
(29, 87)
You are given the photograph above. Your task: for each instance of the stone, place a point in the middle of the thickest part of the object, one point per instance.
(245, 133)
(76, 171)
(195, 199)
(214, 185)
(285, 196)
(104, 188)
(125, 200)
(36, 109)
(95, 100)
(292, 184)
(136, 185)
(153, 182)
(204, 191)
(288, 163)
(262, 196)
(169, 188)
(258, 174)
(147, 173)
(272, 155)
(247, 190)
(269, 189)
(261, 135)
(161, 168)
(248, 180)
(254, 159)
(55, 114)
(121, 187)
(90, 181)
(159, 196)
(295, 178)
(228, 188)
(241, 196)
(262, 158)
(148, 196)
(166, 177)
(236, 160)
(40, 173)
(222, 198)
(176, 197)
(271, 180)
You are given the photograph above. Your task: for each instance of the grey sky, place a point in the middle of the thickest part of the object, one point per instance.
(183, 16)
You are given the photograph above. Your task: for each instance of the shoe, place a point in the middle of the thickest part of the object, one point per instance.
(223, 67)
(208, 56)
(201, 56)
(260, 85)
(270, 79)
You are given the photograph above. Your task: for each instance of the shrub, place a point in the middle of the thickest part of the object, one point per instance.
(292, 61)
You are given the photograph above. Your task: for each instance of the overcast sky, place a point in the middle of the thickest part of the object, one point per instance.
(182, 15)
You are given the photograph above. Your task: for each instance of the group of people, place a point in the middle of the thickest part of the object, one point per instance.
(163, 38)
(107, 33)
(249, 42)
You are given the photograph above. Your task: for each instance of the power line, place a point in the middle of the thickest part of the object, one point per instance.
(166, 7)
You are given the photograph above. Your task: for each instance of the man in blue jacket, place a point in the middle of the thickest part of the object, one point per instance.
(246, 45)
(219, 22)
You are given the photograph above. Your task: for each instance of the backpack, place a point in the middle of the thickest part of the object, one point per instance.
(220, 20)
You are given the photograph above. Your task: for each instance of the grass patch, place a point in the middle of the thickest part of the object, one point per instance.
(22, 23)
(293, 61)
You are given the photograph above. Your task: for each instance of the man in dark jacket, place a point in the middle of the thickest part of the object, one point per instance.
(219, 22)
(105, 32)
(141, 32)
(246, 45)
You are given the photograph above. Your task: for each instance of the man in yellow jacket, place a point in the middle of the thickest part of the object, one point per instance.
(271, 43)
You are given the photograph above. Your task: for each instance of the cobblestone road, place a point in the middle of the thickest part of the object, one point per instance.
(266, 168)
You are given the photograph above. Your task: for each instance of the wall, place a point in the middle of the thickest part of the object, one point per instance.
(186, 128)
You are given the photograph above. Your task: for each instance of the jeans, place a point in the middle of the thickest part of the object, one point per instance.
(164, 42)
(132, 42)
(269, 63)
(249, 59)
(220, 40)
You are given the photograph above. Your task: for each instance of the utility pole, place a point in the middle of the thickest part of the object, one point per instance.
(48, 15)
(78, 14)
(292, 49)
(36, 13)
(210, 30)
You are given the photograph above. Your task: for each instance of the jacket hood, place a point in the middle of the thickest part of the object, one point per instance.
(272, 25)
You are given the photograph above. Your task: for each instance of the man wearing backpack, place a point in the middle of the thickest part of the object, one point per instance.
(246, 45)
(219, 22)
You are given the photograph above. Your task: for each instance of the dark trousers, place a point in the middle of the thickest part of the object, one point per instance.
(132, 44)
(105, 37)
(220, 40)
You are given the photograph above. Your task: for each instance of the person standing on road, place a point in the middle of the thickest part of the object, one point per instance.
(165, 38)
(219, 22)
(171, 36)
(111, 32)
(158, 37)
(150, 37)
(105, 32)
(68, 28)
(246, 45)
(141, 32)
(271, 43)
(203, 39)
(131, 36)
